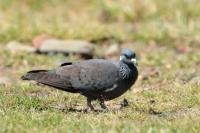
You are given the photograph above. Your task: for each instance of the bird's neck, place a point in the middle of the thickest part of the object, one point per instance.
(124, 70)
(127, 70)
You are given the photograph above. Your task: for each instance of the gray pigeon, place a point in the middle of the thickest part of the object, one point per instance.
(96, 79)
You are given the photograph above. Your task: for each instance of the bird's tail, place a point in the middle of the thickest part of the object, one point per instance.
(50, 78)
(34, 75)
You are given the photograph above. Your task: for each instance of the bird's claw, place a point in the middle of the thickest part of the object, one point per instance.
(124, 103)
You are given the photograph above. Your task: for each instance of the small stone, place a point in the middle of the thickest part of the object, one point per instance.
(38, 40)
(113, 50)
(15, 46)
(66, 46)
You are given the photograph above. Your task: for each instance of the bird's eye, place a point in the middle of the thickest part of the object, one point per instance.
(128, 57)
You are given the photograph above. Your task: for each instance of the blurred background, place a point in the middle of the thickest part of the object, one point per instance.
(162, 33)
(40, 34)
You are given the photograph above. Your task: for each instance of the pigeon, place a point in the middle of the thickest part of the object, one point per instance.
(96, 79)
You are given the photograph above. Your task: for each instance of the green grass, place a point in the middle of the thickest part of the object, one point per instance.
(123, 20)
(163, 100)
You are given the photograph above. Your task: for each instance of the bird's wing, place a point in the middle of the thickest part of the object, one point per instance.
(89, 75)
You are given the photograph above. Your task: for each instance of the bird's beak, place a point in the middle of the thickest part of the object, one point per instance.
(134, 61)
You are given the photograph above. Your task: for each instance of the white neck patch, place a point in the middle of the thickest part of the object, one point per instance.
(120, 58)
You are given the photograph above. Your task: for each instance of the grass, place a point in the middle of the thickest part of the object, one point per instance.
(123, 20)
(165, 36)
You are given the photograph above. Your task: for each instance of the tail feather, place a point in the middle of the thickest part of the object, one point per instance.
(33, 75)
(50, 78)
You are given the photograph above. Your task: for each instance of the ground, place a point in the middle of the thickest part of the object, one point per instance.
(165, 36)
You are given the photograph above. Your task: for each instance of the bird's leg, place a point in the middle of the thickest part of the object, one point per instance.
(102, 104)
(89, 104)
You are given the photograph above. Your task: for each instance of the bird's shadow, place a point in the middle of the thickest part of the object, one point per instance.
(71, 109)
(81, 109)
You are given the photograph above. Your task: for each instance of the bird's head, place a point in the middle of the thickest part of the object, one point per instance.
(128, 56)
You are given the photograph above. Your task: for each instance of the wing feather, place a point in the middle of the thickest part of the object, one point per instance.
(93, 74)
